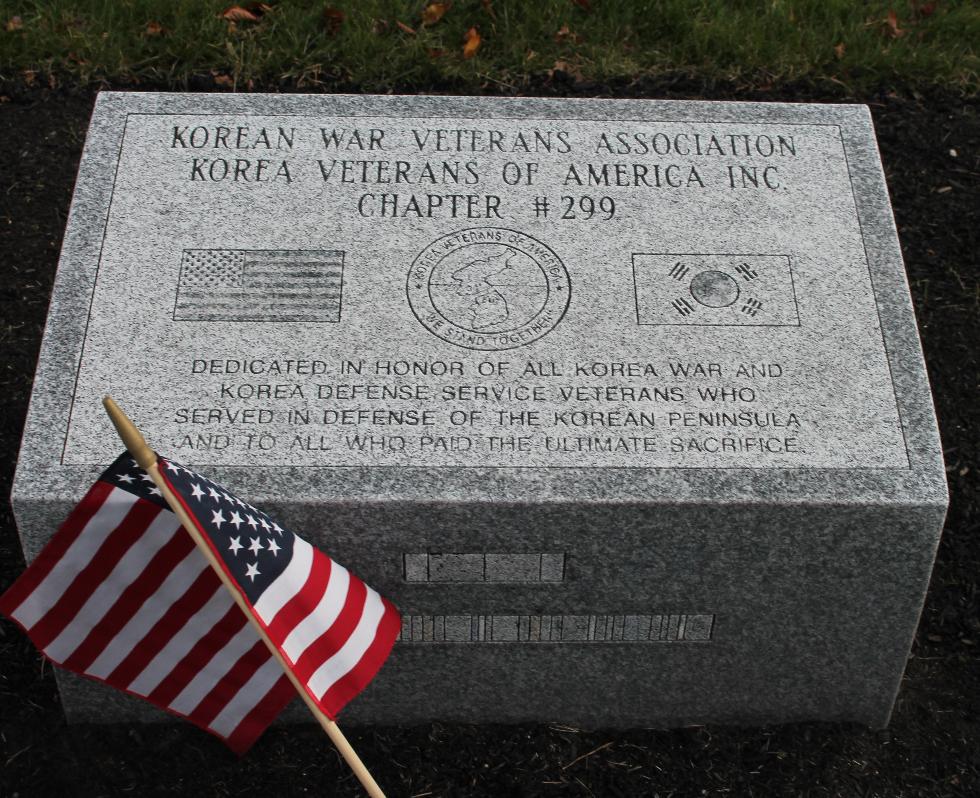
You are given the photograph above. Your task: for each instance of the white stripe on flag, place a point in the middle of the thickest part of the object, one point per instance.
(253, 691)
(110, 514)
(173, 587)
(127, 571)
(288, 583)
(216, 670)
(349, 654)
(182, 642)
(322, 616)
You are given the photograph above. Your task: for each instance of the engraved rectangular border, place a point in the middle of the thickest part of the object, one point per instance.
(501, 568)
(792, 283)
(628, 628)
(867, 262)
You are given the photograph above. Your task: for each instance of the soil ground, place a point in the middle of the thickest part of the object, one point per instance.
(931, 150)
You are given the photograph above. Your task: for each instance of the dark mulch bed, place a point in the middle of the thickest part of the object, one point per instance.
(932, 747)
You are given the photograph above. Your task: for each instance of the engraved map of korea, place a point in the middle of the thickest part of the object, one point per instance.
(488, 288)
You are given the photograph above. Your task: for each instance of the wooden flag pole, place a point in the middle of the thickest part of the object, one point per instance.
(136, 444)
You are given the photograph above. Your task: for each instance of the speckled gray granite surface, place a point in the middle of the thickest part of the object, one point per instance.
(621, 402)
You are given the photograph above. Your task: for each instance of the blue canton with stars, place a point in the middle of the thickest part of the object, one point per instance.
(254, 548)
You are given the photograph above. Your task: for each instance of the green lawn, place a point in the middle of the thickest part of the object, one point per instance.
(375, 44)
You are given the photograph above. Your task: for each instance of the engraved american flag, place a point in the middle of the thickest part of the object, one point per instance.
(259, 285)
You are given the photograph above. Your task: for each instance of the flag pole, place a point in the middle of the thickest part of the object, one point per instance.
(146, 458)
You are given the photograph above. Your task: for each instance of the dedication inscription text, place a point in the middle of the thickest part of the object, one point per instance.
(496, 293)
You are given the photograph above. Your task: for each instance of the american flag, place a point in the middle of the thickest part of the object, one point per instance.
(259, 285)
(122, 594)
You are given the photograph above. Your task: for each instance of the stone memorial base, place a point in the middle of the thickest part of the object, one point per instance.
(693, 614)
(621, 402)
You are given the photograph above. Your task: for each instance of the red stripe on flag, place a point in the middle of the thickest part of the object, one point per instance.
(325, 646)
(142, 587)
(229, 684)
(261, 715)
(348, 686)
(199, 656)
(119, 541)
(331, 641)
(173, 620)
(300, 605)
(55, 549)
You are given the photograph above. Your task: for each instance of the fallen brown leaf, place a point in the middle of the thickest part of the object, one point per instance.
(564, 34)
(154, 28)
(404, 28)
(892, 21)
(839, 50)
(238, 14)
(927, 10)
(15, 23)
(568, 69)
(433, 12)
(248, 13)
(30, 77)
(471, 43)
(333, 18)
(379, 26)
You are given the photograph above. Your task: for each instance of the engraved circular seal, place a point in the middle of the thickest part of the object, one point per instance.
(488, 288)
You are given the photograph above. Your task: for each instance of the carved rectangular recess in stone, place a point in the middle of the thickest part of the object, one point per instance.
(502, 568)
(715, 290)
(501, 381)
(556, 628)
(259, 285)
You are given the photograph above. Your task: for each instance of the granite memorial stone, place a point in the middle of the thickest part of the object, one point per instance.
(621, 402)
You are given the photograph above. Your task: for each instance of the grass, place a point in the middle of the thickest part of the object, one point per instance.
(376, 44)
